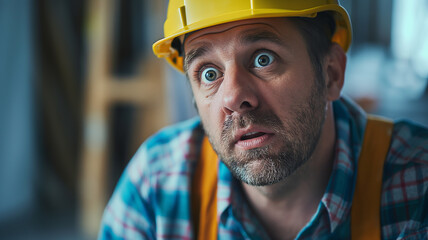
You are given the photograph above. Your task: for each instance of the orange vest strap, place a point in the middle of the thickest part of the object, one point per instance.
(204, 194)
(365, 211)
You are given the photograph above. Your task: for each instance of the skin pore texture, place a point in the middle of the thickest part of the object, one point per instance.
(268, 114)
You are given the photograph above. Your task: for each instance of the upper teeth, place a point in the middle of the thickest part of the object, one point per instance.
(249, 134)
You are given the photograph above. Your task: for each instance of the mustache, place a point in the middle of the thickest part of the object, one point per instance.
(260, 118)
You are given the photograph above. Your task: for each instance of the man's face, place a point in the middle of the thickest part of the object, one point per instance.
(260, 101)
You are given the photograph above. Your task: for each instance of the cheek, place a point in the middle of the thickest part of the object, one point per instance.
(281, 91)
(209, 110)
(287, 94)
(210, 115)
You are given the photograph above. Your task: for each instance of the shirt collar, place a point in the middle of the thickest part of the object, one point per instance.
(350, 123)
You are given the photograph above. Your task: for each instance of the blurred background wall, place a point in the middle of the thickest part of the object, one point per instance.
(80, 90)
(18, 165)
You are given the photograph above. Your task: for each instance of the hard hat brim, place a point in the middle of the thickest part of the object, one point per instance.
(343, 34)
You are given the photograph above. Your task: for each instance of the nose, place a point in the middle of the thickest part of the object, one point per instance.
(239, 92)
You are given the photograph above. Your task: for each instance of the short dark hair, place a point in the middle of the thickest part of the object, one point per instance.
(317, 33)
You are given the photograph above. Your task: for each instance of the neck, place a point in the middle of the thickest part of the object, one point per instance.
(286, 207)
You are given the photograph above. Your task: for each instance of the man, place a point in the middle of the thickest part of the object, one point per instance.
(267, 78)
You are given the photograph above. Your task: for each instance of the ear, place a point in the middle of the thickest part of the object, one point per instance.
(334, 71)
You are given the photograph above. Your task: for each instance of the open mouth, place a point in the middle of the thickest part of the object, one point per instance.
(250, 139)
(251, 135)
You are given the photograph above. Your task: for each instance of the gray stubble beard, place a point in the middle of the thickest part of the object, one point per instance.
(261, 166)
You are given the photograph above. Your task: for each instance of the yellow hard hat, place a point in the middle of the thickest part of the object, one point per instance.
(186, 16)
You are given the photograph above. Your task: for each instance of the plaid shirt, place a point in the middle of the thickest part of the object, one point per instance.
(152, 198)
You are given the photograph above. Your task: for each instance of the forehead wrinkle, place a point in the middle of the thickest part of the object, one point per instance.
(190, 37)
(194, 54)
(247, 37)
(256, 35)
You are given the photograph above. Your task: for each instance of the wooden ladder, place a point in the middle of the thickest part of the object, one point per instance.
(146, 90)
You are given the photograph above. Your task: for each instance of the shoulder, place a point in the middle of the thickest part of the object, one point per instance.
(151, 198)
(170, 151)
(409, 144)
(405, 181)
(407, 160)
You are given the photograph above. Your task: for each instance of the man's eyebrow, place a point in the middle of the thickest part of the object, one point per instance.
(192, 55)
(247, 38)
(252, 36)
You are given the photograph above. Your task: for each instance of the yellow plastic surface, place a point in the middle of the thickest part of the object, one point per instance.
(186, 16)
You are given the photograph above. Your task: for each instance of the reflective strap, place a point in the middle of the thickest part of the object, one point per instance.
(365, 212)
(204, 194)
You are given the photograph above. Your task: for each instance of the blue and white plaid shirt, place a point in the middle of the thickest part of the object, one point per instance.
(152, 198)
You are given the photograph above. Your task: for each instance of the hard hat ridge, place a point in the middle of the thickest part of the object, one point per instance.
(185, 16)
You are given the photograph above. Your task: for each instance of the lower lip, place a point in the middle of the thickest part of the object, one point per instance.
(254, 142)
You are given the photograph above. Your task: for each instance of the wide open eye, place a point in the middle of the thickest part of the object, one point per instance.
(210, 74)
(263, 59)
